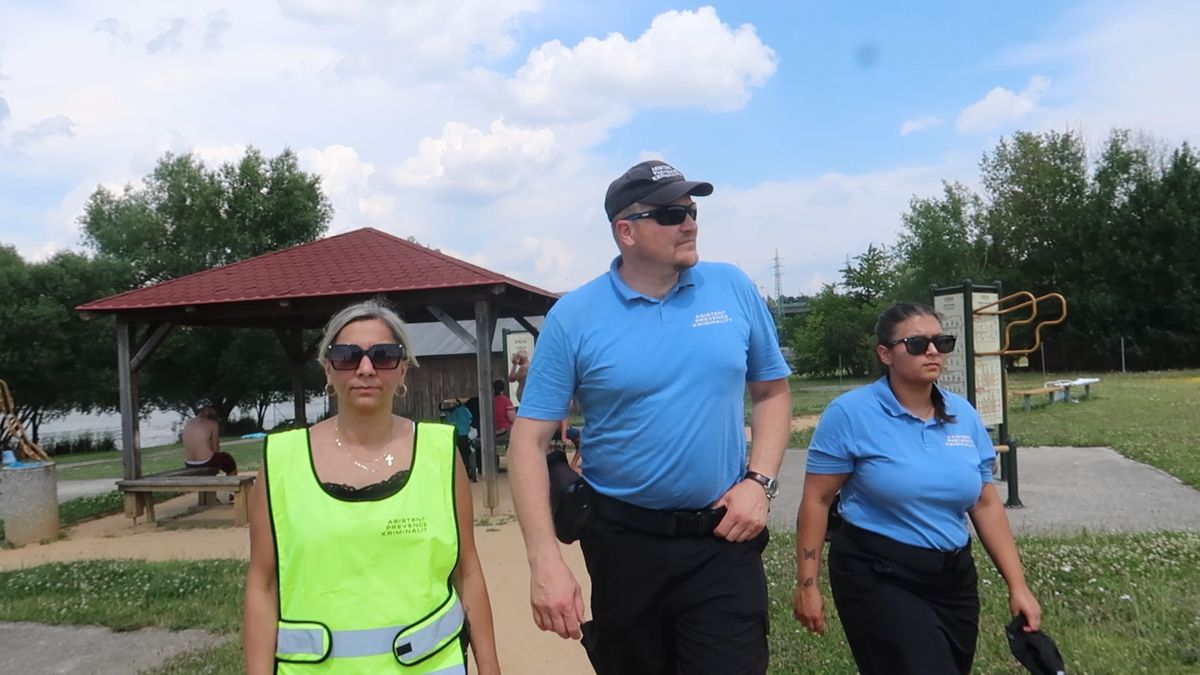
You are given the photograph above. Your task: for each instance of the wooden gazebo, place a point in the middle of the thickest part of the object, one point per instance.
(301, 287)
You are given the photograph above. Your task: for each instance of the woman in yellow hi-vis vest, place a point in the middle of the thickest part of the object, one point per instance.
(362, 552)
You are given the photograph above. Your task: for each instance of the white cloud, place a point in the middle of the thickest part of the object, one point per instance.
(217, 24)
(684, 59)
(169, 38)
(814, 222)
(1002, 107)
(57, 126)
(479, 163)
(920, 124)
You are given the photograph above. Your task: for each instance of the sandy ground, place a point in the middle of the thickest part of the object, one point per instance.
(210, 534)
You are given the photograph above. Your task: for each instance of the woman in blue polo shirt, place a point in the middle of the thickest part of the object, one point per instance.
(912, 462)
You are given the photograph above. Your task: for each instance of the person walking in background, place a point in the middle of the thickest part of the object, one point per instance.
(912, 462)
(659, 352)
(362, 545)
(201, 439)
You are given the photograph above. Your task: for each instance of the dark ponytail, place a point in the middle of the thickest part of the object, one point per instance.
(885, 329)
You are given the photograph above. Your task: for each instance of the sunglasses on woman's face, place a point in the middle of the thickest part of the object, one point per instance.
(674, 214)
(383, 356)
(919, 344)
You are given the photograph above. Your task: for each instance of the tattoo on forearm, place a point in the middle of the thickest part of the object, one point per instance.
(810, 554)
(808, 582)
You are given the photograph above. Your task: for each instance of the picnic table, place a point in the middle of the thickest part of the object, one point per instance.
(1054, 388)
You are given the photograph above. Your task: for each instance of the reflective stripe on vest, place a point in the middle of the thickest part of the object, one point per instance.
(313, 642)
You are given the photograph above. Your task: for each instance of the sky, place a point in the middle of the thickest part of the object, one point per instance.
(490, 129)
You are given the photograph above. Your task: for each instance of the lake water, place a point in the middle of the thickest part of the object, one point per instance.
(158, 427)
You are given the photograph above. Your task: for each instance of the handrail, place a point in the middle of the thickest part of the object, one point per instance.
(1032, 303)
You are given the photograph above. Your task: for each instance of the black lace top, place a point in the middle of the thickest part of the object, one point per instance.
(381, 490)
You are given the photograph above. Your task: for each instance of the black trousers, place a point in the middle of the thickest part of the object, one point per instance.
(906, 610)
(674, 605)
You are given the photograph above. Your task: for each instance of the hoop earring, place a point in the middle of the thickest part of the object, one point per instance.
(329, 390)
(402, 391)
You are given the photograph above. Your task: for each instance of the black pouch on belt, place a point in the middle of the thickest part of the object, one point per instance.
(570, 498)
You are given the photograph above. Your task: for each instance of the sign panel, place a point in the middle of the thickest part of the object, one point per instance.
(988, 371)
(954, 374)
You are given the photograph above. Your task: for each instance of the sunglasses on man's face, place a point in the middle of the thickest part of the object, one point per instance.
(347, 357)
(919, 344)
(673, 214)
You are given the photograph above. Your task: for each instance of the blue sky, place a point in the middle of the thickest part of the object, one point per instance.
(490, 128)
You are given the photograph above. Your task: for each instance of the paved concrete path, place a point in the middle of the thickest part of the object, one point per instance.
(70, 489)
(1064, 490)
(89, 650)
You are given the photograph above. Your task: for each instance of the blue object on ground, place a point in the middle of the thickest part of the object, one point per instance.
(257, 434)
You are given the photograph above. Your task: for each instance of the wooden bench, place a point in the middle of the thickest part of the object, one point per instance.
(1037, 391)
(1085, 382)
(139, 492)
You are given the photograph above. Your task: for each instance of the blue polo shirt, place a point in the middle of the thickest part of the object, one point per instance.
(910, 479)
(661, 381)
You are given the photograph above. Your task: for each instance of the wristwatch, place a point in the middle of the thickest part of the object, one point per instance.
(769, 484)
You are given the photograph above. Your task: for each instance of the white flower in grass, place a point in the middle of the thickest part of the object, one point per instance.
(1125, 596)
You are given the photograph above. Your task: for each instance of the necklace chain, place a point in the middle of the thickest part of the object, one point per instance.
(337, 439)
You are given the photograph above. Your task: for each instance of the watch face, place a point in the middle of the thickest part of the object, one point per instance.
(772, 488)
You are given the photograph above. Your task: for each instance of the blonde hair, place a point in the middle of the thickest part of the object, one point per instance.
(363, 311)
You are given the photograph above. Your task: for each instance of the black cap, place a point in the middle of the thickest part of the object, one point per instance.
(651, 182)
(202, 404)
(1036, 651)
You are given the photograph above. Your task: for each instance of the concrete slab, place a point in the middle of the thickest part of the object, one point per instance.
(91, 650)
(1064, 490)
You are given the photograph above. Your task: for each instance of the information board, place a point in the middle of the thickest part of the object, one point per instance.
(988, 396)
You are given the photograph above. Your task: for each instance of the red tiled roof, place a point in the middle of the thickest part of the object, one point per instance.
(357, 262)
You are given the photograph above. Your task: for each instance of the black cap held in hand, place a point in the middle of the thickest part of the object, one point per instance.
(652, 182)
(1036, 651)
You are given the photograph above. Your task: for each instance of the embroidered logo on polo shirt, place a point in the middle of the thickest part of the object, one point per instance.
(711, 318)
(959, 441)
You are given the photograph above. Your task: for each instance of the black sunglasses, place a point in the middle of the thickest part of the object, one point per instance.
(919, 344)
(385, 356)
(673, 214)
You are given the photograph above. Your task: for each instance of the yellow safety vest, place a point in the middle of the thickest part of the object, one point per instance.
(364, 586)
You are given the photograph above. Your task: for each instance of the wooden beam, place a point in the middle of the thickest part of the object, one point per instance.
(487, 425)
(453, 325)
(527, 326)
(157, 335)
(292, 341)
(131, 451)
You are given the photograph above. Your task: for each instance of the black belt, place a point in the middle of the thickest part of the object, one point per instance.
(915, 557)
(698, 523)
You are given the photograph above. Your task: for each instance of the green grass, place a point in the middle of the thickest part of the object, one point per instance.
(154, 460)
(1149, 417)
(1113, 603)
(85, 508)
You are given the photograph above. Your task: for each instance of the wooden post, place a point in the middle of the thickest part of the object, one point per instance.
(130, 441)
(487, 425)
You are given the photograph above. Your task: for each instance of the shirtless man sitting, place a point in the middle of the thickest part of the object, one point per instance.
(201, 441)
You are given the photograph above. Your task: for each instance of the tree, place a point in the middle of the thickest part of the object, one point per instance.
(184, 218)
(941, 244)
(53, 360)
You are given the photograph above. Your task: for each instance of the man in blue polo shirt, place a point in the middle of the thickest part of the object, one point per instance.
(659, 353)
